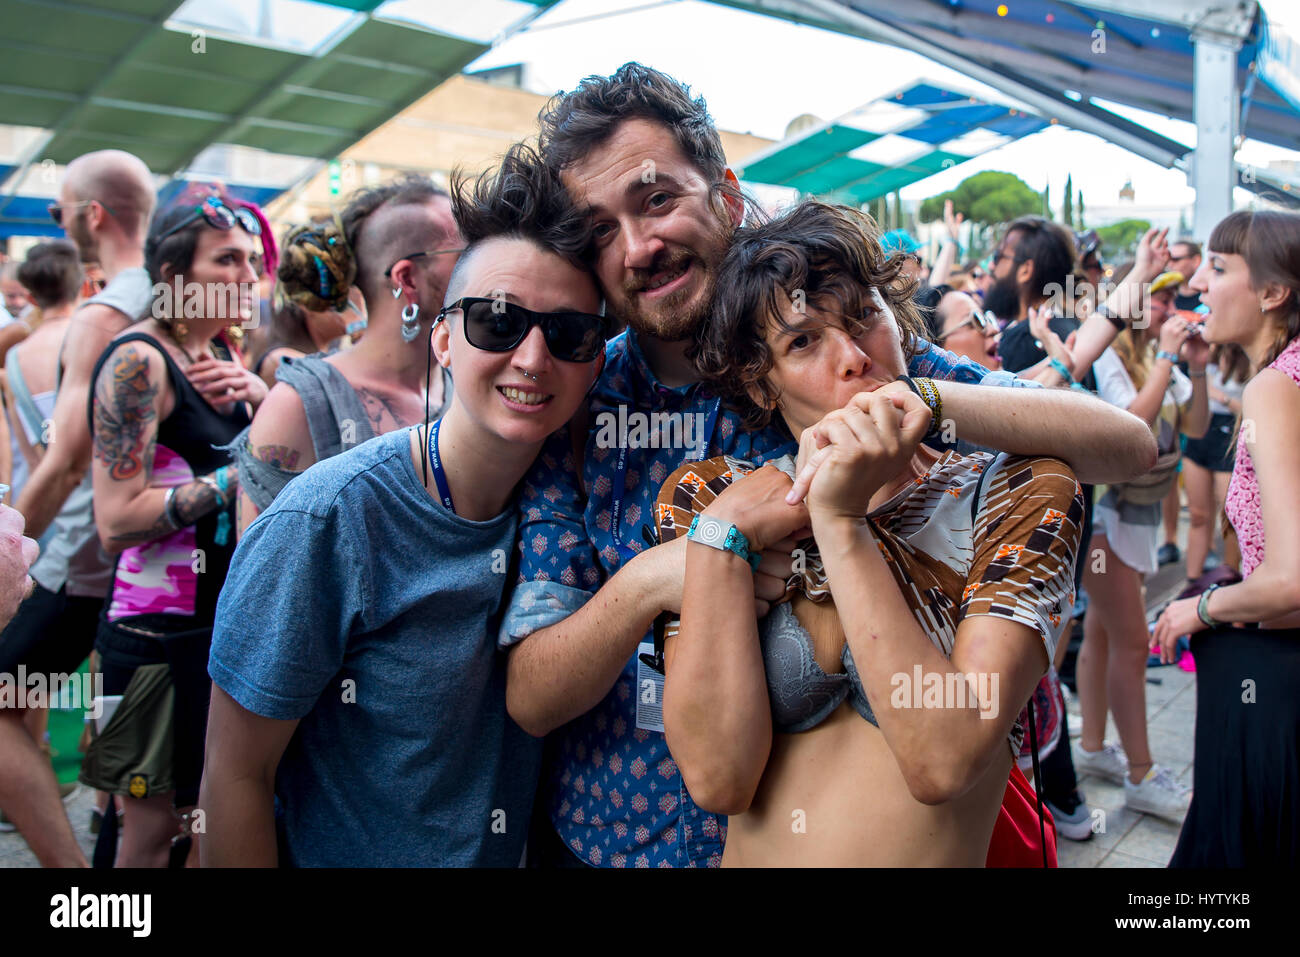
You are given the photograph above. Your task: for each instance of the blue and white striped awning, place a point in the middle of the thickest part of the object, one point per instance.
(889, 143)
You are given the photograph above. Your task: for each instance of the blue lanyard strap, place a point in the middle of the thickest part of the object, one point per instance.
(620, 479)
(439, 473)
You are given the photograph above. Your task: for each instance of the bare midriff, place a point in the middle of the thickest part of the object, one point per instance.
(834, 796)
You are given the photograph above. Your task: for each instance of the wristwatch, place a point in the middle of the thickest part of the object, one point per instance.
(723, 536)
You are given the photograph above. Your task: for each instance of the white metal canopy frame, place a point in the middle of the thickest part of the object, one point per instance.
(1196, 60)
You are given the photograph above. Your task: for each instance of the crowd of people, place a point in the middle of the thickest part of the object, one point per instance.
(573, 516)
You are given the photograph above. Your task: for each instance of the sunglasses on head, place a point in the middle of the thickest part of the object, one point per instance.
(219, 216)
(495, 325)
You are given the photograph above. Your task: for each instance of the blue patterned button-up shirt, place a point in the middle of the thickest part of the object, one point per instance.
(614, 793)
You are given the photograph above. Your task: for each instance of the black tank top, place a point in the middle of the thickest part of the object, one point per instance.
(192, 431)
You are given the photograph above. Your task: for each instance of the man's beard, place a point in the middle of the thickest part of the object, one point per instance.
(673, 317)
(1003, 298)
(87, 248)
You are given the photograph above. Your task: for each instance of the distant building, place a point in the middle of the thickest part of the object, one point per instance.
(1126, 192)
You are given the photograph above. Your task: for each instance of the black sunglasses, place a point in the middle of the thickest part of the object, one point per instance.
(495, 325)
(218, 216)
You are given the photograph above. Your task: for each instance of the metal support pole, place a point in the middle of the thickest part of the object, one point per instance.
(1216, 106)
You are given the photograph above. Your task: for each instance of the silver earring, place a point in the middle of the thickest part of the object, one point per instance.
(397, 292)
(410, 323)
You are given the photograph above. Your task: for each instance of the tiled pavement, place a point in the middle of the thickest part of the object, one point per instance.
(1131, 839)
(1128, 839)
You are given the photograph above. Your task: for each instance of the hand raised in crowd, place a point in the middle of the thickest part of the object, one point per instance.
(1152, 255)
(223, 382)
(952, 222)
(17, 552)
(1049, 341)
(847, 456)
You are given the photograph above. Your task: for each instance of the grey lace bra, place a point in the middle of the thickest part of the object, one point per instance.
(801, 693)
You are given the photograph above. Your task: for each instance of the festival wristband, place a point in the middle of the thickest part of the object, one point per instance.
(929, 394)
(1166, 354)
(723, 536)
(1061, 370)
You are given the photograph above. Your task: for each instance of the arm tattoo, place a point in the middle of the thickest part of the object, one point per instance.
(278, 456)
(124, 408)
(193, 501)
(160, 528)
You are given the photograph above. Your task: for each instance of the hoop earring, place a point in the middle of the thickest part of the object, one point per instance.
(410, 322)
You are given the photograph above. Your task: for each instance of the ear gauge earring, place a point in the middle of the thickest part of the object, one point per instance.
(410, 322)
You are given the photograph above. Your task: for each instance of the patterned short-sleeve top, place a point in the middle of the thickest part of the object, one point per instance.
(975, 535)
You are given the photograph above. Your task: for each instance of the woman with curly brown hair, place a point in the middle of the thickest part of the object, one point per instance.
(871, 718)
(397, 244)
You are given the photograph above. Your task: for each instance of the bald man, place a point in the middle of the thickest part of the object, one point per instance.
(104, 206)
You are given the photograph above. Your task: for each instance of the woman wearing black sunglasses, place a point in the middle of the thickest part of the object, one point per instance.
(163, 503)
(391, 563)
(397, 245)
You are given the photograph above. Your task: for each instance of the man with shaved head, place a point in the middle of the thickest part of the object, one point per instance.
(104, 205)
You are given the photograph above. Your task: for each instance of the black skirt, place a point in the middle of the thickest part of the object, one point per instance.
(1245, 809)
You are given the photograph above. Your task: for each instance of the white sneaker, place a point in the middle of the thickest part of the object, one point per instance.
(1158, 794)
(1110, 763)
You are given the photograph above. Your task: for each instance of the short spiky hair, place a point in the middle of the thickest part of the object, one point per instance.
(522, 199)
(574, 123)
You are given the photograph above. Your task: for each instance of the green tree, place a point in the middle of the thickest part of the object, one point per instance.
(1079, 214)
(987, 198)
(1120, 239)
(1067, 211)
(1047, 202)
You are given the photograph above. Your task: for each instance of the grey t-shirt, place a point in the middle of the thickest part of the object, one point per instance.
(359, 605)
(73, 555)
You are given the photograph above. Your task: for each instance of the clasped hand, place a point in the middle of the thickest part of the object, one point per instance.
(224, 382)
(852, 452)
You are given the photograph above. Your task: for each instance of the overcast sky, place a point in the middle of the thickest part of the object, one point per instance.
(758, 73)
